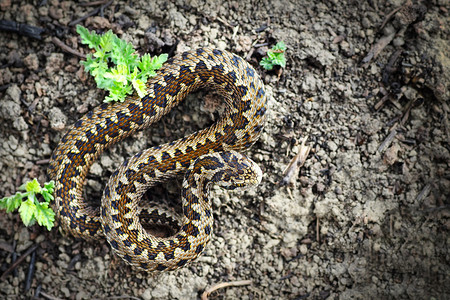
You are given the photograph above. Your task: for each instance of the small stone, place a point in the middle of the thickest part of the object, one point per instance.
(55, 13)
(31, 61)
(23, 239)
(98, 22)
(81, 295)
(65, 291)
(57, 118)
(13, 142)
(54, 63)
(147, 294)
(9, 110)
(398, 42)
(303, 249)
(14, 92)
(391, 155)
(177, 19)
(106, 162)
(332, 146)
(96, 169)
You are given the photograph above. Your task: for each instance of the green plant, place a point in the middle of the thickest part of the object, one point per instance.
(30, 209)
(275, 56)
(129, 70)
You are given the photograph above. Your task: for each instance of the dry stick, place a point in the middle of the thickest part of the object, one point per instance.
(387, 141)
(378, 47)
(66, 48)
(425, 191)
(93, 3)
(405, 117)
(90, 14)
(382, 101)
(124, 297)
(317, 230)
(45, 295)
(18, 261)
(389, 16)
(222, 285)
(296, 163)
(30, 273)
(43, 161)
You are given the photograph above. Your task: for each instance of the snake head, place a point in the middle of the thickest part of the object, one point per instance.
(236, 171)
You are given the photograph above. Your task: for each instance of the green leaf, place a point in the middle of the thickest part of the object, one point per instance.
(88, 38)
(45, 216)
(106, 41)
(118, 74)
(275, 56)
(118, 79)
(266, 63)
(47, 195)
(280, 46)
(11, 203)
(47, 191)
(27, 211)
(158, 61)
(33, 186)
(4, 201)
(14, 202)
(139, 87)
(49, 186)
(279, 60)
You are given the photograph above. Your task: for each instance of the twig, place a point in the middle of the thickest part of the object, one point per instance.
(378, 47)
(18, 261)
(296, 163)
(93, 3)
(208, 291)
(407, 110)
(124, 297)
(92, 13)
(43, 161)
(30, 272)
(380, 103)
(387, 141)
(37, 292)
(389, 16)
(390, 66)
(318, 230)
(423, 194)
(66, 48)
(49, 296)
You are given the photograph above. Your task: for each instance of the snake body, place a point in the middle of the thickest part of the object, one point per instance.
(207, 156)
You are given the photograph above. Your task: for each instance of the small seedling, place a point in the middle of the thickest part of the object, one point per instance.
(275, 57)
(128, 70)
(30, 209)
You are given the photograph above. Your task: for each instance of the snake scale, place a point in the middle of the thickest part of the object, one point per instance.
(205, 157)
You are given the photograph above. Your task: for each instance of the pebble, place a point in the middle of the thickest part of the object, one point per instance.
(23, 239)
(14, 92)
(65, 291)
(31, 61)
(57, 118)
(96, 169)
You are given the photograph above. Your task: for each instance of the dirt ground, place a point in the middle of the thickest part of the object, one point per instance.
(365, 217)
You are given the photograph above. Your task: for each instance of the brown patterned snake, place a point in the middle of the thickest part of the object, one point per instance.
(209, 154)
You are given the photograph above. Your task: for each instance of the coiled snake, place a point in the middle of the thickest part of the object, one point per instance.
(205, 156)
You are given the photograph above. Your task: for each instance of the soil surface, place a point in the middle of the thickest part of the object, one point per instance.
(366, 83)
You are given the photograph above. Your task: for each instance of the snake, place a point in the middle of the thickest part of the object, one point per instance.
(208, 156)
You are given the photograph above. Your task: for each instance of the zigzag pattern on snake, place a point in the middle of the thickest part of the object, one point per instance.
(212, 149)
